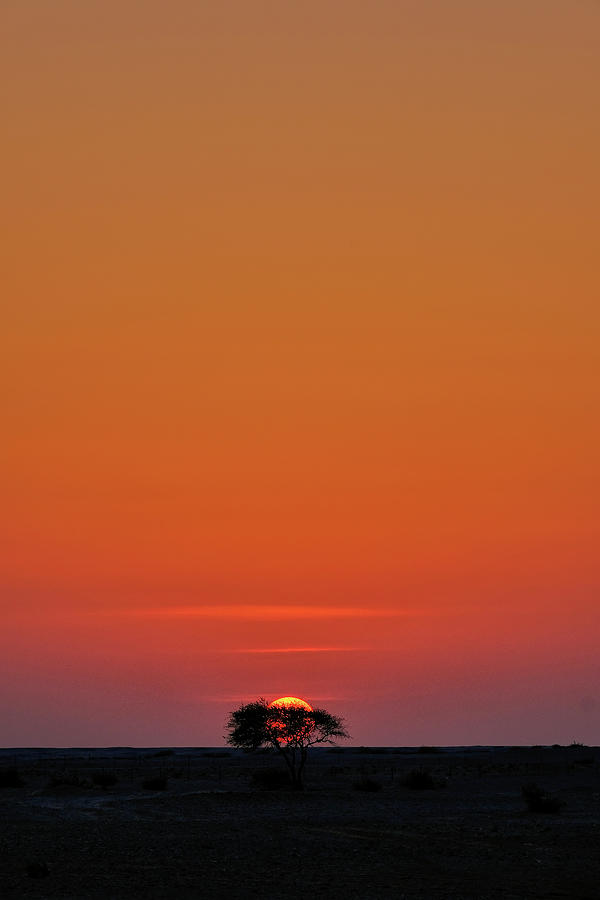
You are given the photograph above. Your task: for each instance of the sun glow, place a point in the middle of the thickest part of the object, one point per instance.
(288, 728)
(291, 702)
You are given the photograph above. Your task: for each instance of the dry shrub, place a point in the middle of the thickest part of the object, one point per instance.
(37, 869)
(155, 783)
(272, 778)
(67, 778)
(104, 779)
(538, 800)
(366, 783)
(10, 778)
(422, 780)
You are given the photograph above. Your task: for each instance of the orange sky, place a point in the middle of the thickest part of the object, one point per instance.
(300, 368)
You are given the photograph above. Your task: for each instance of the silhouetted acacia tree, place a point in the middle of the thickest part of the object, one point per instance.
(290, 730)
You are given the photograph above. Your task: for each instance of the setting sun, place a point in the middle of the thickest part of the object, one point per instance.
(291, 702)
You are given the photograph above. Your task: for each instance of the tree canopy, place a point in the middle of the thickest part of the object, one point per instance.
(291, 730)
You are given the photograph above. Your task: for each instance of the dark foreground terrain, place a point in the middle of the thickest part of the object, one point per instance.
(195, 823)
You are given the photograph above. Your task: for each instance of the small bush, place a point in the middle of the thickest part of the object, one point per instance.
(372, 750)
(271, 779)
(38, 869)
(10, 778)
(421, 780)
(155, 783)
(366, 783)
(104, 779)
(583, 761)
(67, 778)
(538, 800)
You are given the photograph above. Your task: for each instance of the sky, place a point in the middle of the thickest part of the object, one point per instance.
(300, 368)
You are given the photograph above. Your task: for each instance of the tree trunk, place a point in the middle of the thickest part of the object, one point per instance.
(297, 784)
(300, 769)
(290, 761)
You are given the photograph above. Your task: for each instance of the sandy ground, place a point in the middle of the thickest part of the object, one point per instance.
(213, 832)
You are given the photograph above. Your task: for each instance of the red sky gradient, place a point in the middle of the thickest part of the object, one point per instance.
(300, 355)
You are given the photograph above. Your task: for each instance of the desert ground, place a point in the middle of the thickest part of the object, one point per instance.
(370, 823)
